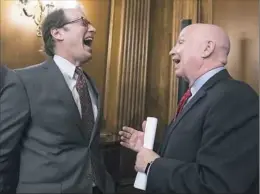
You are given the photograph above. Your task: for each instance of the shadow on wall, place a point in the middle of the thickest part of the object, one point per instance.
(242, 63)
(248, 67)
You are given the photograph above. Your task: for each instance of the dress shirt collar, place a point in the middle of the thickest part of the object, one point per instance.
(65, 66)
(203, 79)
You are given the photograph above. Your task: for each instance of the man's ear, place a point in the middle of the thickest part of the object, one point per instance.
(57, 34)
(208, 49)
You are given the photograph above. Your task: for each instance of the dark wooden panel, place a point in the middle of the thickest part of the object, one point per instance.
(120, 164)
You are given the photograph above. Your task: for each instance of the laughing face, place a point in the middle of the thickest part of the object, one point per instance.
(186, 56)
(74, 39)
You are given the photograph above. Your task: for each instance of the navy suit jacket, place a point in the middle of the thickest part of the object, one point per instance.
(212, 146)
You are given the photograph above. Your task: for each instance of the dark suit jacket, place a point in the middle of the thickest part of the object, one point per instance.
(14, 112)
(212, 146)
(57, 149)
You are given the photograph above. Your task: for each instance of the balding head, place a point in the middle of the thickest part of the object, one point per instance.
(215, 35)
(200, 48)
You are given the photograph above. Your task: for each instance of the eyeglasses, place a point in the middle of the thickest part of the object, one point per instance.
(83, 20)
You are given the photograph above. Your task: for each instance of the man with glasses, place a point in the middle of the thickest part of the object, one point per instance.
(60, 147)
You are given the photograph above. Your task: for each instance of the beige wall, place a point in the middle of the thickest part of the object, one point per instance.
(240, 20)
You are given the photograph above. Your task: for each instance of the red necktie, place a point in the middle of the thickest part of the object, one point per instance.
(183, 100)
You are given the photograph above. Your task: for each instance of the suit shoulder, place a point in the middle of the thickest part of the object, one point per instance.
(235, 91)
(29, 68)
(232, 96)
(9, 79)
(31, 72)
(8, 75)
(238, 87)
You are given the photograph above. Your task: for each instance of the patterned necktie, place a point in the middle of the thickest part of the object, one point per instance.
(183, 100)
(87, 112)
(85, 100)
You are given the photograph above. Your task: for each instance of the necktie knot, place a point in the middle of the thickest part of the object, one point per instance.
(78, 71)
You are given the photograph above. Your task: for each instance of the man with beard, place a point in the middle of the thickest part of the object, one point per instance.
(211, 146)
(60, 147)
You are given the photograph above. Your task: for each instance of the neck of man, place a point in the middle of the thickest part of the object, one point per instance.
(68, 58)
(204, 69)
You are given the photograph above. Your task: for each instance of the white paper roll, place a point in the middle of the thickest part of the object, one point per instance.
(149, 136)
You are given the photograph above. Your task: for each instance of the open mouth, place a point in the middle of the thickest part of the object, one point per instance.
(176, 61)
(88, 41)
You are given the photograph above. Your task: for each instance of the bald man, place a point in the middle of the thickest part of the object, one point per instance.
(211, 146)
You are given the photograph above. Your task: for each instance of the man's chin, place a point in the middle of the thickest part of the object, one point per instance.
(178, 73)
(84, 61)
(88, 58)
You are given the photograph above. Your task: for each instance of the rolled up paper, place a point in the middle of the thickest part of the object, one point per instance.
(149, 136)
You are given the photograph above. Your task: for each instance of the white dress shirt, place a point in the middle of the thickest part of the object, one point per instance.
(68, 71)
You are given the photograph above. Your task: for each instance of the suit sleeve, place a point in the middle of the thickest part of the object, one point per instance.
(14, 115)
(227, 161)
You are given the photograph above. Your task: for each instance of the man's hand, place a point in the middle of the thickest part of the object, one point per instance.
(143, 157)
(132, 138)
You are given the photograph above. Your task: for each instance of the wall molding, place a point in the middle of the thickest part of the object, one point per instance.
(126, 64)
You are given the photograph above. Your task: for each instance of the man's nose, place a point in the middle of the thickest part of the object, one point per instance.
(172, 51)
(91, 28)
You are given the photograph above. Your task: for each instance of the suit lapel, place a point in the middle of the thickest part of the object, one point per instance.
(98, 101)
(61, 89)
(175, 122)
(198, 96)
(95, 128)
